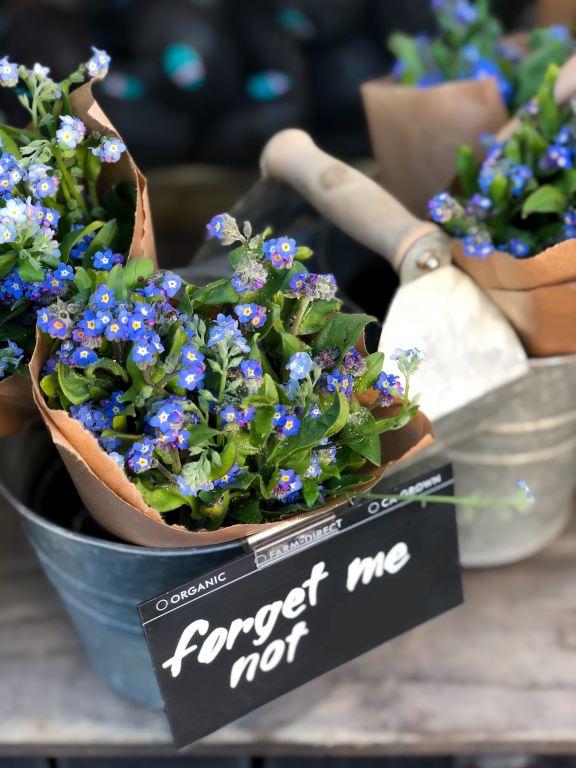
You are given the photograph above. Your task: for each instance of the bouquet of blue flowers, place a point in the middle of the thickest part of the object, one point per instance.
(470, 45)
(516, 221)
(69, 195)
(244, 401)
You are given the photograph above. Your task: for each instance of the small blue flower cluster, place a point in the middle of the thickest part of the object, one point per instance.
(313, 286)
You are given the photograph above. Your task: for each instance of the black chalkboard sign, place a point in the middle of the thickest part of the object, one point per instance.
(301, 603)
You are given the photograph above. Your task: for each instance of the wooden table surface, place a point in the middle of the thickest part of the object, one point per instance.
(495, 675)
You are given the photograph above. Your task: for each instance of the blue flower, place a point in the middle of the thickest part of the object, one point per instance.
(258, 320)
(105, 317)
(246, 416)
(136, 326)
(166, 416)
(528, 492)
(216, 227)
(43, 319)
(314, 470)
(291, 426)
(338, 382)
(142, 308)
(64, 272)
(518, 248)
(182, 438)
(466, 13)
(140, 463)
(563, 136)
(273, 254)
(229, 477)
(229, 415)
(103, 259)
(386, 382)
(98, 64)
(315, 412)
(44, 187)
(145, 447)
(286, 247)
(191, 355)
(57, 328)
(183, 487)
(90, 324)
(154, 340)
(83, 356)
(104, 297)
(172, 284)
(14, 285)
(117, 458)
(298, 282)
(111, 151)
(110, 443)
(191, 377)
(299, 365)
(246, 312)
(142, 351)
(239, 286)
(279, 418)
(290, 388)
(8, 72)
(115, 330)
(7, 233)
(287, 477)
(68, 137)
(559, 157)
(251, 368)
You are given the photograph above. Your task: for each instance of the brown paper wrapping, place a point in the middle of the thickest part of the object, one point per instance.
(114, 501)
(415, 133)
(18, 412)
(537, 295)
(551, 12)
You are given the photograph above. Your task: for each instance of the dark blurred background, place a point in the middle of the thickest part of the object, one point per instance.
(196, 87)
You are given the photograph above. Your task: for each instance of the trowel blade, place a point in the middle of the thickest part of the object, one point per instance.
(471, 349)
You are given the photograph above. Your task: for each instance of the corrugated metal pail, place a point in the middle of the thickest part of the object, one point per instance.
(533, 439)
(100, 581)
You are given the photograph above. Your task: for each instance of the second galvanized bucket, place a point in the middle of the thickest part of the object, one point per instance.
(533, 439)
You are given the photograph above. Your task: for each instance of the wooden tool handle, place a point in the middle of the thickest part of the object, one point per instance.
(345, 196)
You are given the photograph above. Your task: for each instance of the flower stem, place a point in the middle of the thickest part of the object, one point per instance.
(302, 307)
(70, 183)
(166, 473)
(518, 501)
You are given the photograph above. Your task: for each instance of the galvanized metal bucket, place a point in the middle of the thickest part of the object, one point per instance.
(100, 581)
(532, 437)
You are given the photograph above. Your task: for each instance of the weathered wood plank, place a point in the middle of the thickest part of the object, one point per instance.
(495, 675)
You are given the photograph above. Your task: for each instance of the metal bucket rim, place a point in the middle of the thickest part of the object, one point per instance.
(549, 362)
(128, 549)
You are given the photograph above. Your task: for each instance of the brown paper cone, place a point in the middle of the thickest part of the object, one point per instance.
(18, 412)
(415, 133)
(551, 12)
(114, 501)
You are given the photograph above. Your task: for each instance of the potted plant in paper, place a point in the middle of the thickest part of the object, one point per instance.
(244, 401)
(516, 221)
(61, 204)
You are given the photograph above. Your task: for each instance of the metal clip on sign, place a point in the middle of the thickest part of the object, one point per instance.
(270, 547)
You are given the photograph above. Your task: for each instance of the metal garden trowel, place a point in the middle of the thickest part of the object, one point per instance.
(471, 349)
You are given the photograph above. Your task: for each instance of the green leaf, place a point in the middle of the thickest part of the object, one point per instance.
(136, 375)
(316, 314)
(531, 71)
(164, 498)
(246, 511)
(115, 281)
(309, 490)
(50, 385)
(200, 435)
(467, 170)
(498, 191)
(104, 239)
(405, 48)
(107, 364)
(374, 365)
(291, 345)
(261, 425)
(74, 386)
(73, 237)
(82, 280)
(216, 294)
(337, 486)
(548, 117)
(369, 447)
(546, 199)
(29, 273)
(228, 457)
(9, 145)
(312, 431)
(565, 181)
(342, 331)
(235, 256)
(136, 272)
